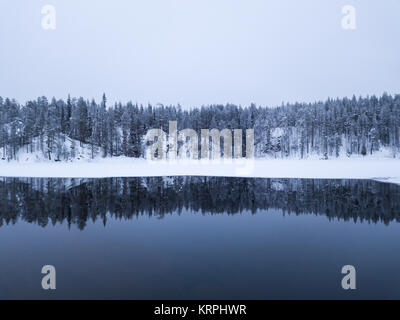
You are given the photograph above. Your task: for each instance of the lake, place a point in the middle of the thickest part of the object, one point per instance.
(199, 238)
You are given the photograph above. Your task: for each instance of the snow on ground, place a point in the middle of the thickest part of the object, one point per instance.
(32, 162)
(385, 170)
(62, 146)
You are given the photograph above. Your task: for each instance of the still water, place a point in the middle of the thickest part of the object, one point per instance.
(198, 238)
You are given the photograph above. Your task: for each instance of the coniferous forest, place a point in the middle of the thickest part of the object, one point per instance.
(330, 129)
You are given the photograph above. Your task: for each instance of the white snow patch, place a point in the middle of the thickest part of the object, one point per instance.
(62, 146)
(385, 170)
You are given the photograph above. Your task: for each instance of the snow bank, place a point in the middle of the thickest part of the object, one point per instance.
(386, 170)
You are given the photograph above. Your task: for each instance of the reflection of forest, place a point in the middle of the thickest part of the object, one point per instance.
(76, 201)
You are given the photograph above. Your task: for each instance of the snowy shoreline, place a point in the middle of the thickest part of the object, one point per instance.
(384, 170)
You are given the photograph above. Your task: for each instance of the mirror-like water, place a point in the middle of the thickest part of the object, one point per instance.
(199, 238)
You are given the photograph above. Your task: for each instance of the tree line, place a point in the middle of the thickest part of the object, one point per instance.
(336, 127)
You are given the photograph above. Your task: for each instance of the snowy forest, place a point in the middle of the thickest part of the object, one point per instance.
(59, 130)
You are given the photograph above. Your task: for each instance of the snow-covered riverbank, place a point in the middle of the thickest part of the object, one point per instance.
(386, 170)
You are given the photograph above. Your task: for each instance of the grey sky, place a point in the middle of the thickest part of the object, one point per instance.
(199, 51)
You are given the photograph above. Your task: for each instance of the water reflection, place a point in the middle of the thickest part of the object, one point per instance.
(45, 201)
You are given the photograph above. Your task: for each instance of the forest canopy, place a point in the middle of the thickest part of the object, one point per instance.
(329, 129)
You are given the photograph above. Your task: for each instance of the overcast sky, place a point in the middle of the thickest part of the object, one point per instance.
(198, 52)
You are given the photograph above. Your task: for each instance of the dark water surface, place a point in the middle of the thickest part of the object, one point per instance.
(199, 238)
